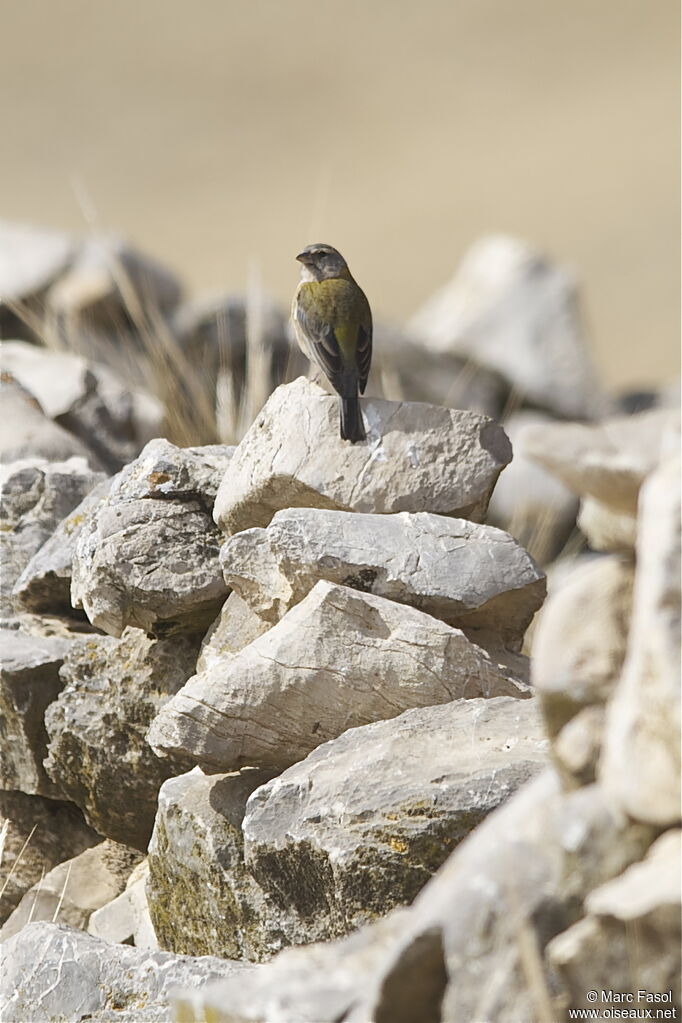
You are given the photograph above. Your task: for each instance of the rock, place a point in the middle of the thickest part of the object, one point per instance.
(30, 259)
(27, 433)
(98, 755)
(641, 762)
(528, 501)
(316, 984)
(111, 419)
(336, 660)
(34, 496)
(110, 279)
(577, 747)
(605, 528)
(511, 310)
(29, 682)
(54, 972)
(640, 911)
(40, 833)
(126, 918)
(362, 823)
(45, 583)
(416, 458)
(468, 575)
(202, 899)
(609, 460)
(580, 639)
(511, 886)
(160, 503)
(73, 890)
(236, 627)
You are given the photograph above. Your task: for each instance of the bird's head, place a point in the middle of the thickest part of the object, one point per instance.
(322, 262)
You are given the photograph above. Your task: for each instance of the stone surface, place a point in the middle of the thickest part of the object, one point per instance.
(630, 939)
(148, 556)
(235, 627)
(468, 575)
(34, 496)
(98, 755)
(338, 659)
(87, 399)
(29, 682)
(74, 889)
(362, 823)
(517, 881)
(605, 528)
(53, 972)
(608, 460)
(40, 833)
(512, 310)
(316, 984)
(126, 918)
(528, 501)
(202, 899)
(27, 433)
(45, 583)
(577, 747)
(641, 762)
(416, 458)
(30, 258)
(580, 639)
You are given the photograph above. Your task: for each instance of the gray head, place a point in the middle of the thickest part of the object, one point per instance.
(322, 262)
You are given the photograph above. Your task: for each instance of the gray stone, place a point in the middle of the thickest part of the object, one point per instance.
(148, 556)
(416, 458)
(126, 918)
(641, 762)
(580, 639)
(235, 627)
(510, 309)
(98, 755)
(338, 659)
(39, 834)
(45, 583)
(53, 972)
(74, 889)
(30, 259)
(29, 682)
(468, 575)
(34, 496)
(630, 939)
(362, 823)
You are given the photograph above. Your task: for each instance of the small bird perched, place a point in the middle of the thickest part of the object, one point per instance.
(333, 325)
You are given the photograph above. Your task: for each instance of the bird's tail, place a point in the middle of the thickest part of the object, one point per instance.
(352, 427)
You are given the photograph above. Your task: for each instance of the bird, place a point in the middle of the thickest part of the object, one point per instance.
(333, 326)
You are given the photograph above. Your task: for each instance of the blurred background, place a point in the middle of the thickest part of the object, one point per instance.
(220, 136)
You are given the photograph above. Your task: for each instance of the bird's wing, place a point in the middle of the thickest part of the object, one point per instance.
(317, 329)
(335, 318)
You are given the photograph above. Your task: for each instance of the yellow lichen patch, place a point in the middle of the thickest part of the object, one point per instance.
(157, 478)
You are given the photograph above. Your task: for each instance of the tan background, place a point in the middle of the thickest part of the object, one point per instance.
(216, 132)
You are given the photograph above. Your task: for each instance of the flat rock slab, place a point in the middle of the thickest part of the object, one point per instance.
(148, 556)
(338, 659)
(362, 823)
(54, 972)
(416, 458)
(468, 575)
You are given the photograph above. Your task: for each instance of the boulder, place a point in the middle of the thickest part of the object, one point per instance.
(577, 747)
(113, 420)
(202, 899)
(580, 639)
(338, 659)
(148, 555)
(74, 889)
(34, 496)
(126, 918)
(416, 458)
(38, 834)
(235, 627)
(468, 575)
(605, 528)
(29, 682)
(629, 940)
(45, 583)
(97, 754)
(27, 433)
(362, 823)
(512, 310)
(641, 762)
(529, 501)
(54, 972)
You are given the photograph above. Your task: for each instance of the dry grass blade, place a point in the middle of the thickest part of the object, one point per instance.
(63, 893)
(36, 896)
(3, 838)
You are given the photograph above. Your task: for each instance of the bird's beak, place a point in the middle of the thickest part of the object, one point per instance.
(303, 257)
